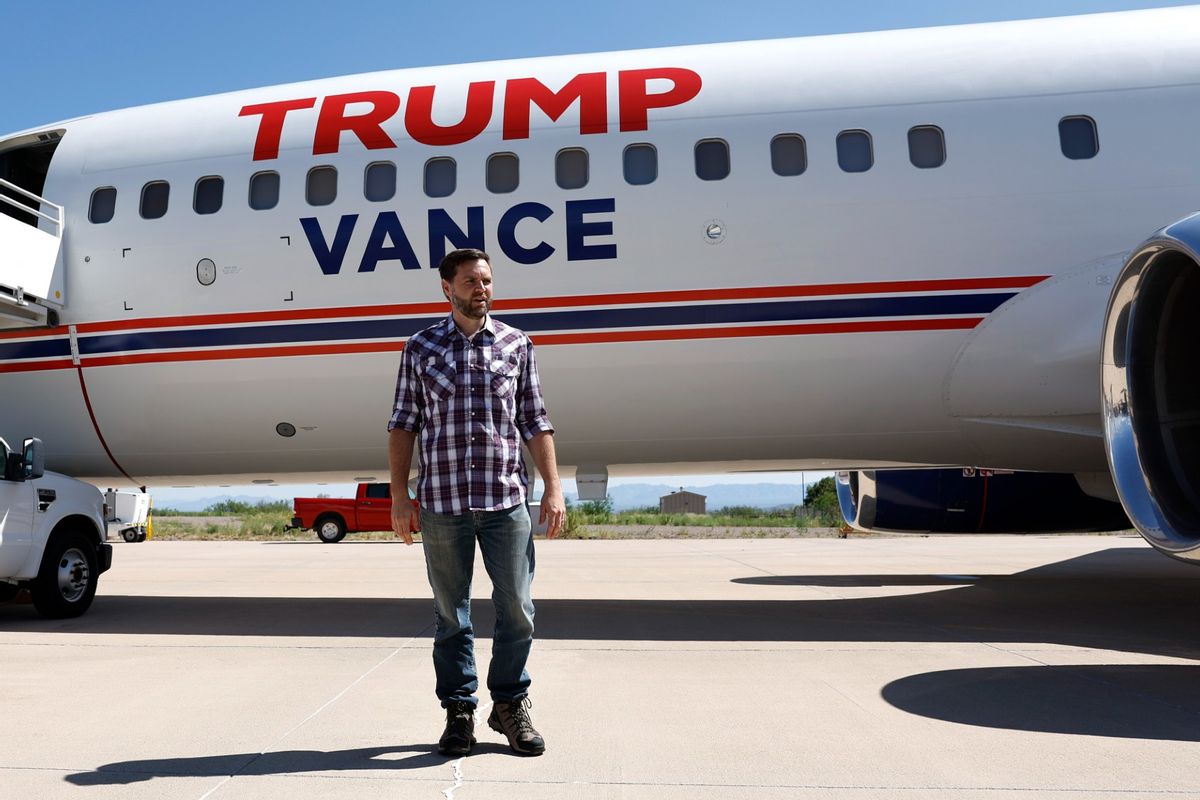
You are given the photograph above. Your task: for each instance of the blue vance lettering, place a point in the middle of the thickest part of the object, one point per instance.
(506, 233)
(329, 257)
(388, 240)
(578, 230)
(443, 228)
(387, 226)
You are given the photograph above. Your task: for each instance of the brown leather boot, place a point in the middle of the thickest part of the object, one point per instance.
(512, 719)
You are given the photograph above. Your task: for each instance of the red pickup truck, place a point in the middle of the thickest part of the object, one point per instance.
(333, 517)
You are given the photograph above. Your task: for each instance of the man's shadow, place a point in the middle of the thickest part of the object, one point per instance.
(281, 762)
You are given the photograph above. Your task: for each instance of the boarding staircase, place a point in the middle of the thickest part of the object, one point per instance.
(31, 259)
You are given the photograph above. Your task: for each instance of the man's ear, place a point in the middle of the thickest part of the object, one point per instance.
(446, 289)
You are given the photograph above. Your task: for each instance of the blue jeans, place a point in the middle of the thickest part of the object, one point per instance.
(506, 541)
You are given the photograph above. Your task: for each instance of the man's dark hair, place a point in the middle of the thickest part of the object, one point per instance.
(449, 266)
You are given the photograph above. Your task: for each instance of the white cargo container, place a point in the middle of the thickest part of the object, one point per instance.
(128, 514)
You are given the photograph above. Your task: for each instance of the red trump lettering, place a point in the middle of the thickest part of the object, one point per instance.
(637, 100)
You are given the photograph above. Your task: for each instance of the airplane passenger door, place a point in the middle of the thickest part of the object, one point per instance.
(16, 524)
(31, 230)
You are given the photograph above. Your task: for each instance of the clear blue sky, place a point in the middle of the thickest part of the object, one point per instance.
(75, 57)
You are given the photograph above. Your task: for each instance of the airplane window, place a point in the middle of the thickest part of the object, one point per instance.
(926, 146)
(571, 168)
(379, 182)
(264, 190)
(103, 205)
(641, 164)
(322, 186)
(1078, 137)
(854, 151)
(788, 154)
(712, 160)
(503, 173)
(210, 193)
(155, 196)
(441, 177)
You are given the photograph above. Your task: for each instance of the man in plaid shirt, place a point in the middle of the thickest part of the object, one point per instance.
(468, 389)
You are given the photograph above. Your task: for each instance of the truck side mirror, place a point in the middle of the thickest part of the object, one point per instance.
(33, 464)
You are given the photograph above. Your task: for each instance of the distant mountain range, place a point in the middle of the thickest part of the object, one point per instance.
(634, 495)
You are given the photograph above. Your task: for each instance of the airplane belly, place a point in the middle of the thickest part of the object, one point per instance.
(49, 404)
(769, 398)
(846, 399)
(254, 417)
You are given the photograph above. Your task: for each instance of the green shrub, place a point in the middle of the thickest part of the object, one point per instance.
(598, 512)
(235, 507)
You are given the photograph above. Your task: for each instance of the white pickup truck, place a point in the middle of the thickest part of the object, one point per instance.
(51, 534)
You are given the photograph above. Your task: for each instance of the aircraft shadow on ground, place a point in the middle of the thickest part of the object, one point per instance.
(1128, 599)
(284, 762)
(1140, 701)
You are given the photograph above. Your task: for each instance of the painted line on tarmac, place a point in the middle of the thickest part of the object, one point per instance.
(456, 766)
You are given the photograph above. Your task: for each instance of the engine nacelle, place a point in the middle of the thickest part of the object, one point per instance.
(972, 501)
(1151, 388)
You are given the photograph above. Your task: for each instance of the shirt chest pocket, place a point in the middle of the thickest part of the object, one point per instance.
(438, 375)
(503, 374)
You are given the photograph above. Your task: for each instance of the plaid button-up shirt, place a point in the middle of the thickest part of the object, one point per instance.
(472, 401)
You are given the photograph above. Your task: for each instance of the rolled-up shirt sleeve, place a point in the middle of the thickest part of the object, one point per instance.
(408, 409)
(532, 418)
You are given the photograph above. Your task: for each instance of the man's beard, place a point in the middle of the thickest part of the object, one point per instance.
(468, 308)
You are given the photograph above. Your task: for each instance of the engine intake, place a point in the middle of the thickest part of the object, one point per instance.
(1151, 388)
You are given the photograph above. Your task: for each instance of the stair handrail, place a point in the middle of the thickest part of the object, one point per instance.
(56, 221)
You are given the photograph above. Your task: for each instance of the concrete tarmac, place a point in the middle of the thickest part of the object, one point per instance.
(940, 667)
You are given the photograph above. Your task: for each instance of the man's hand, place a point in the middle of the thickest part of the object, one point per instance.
(405, 518)
(553, 511)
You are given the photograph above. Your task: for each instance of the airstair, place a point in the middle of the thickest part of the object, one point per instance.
(31, 259)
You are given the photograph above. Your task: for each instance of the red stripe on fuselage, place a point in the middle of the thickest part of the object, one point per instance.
(247, 352)
(36, 366)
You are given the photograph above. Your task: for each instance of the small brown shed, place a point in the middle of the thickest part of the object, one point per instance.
(682, 502)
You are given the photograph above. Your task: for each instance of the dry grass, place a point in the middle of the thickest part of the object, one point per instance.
(232, 528)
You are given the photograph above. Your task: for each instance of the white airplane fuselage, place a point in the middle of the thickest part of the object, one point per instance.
(948, 315)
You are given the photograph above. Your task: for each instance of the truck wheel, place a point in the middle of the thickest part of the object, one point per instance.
(66, 583)
(130, 534)
(330, 529)
(141, 534)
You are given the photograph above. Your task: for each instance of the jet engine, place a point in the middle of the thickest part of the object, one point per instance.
(972, 501)
(1151, 388)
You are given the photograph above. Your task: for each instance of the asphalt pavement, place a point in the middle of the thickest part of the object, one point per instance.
(912, 667)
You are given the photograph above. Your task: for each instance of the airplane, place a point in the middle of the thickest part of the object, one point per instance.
(897, 254)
